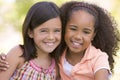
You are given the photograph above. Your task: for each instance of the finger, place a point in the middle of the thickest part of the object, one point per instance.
(3, 56)
(2, 62)
(4, 66)
(3, 69)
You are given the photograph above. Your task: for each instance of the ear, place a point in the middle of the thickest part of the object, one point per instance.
(30, 33)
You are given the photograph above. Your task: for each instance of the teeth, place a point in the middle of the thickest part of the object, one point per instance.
(50, 44)
(75, 43)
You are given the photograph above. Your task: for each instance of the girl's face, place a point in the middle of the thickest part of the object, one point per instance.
(79, 31)
(47, 36)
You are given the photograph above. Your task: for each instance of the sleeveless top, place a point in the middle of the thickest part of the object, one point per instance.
(30, 71)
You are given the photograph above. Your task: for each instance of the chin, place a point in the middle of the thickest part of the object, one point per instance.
(49, 51)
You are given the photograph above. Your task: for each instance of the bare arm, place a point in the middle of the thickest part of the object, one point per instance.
(102, 74)
(13, 59)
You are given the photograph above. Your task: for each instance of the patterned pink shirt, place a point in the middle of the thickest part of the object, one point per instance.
(30, 71)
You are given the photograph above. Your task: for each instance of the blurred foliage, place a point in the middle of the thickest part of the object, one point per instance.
(16, 15)
(116, 12)
(22, 7)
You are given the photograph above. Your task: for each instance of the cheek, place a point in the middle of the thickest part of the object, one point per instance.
(91, 37)
(88, 39)
(57, 34)
(38, 37)
(67, 36)
(37, 40)
(57, 37)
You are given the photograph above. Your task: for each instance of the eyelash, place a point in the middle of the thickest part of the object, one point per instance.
(43, 31)
(73, 29)
(86, 32)
(47, 31)
(57, 31)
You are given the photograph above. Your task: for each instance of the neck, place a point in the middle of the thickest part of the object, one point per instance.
(43, 60)
(74, 58)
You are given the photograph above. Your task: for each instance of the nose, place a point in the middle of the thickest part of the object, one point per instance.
(51, 36)
(78, 36)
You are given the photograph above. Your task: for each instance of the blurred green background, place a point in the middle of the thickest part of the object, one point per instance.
(13, 12)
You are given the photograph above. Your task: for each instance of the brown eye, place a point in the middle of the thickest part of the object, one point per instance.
(43, 30)
(87, 32)
(57, 30)
(73, 28)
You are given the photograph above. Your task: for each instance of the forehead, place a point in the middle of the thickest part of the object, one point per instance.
(82, 17)
(51, 23)
(81, 14)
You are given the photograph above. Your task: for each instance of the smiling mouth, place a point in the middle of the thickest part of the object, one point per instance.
(76, 44)
(50, 43)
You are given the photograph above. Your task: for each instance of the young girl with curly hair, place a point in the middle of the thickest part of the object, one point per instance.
(90, 42)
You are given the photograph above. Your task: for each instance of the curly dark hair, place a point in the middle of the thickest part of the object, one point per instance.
(107, 34)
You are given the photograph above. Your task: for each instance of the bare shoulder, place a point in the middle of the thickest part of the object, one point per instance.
(14, 59)
(14, 55)
(17, 50)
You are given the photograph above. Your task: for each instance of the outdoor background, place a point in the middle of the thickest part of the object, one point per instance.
(13, 12)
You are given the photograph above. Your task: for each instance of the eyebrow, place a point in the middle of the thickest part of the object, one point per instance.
(90, 29)
(72, 25)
